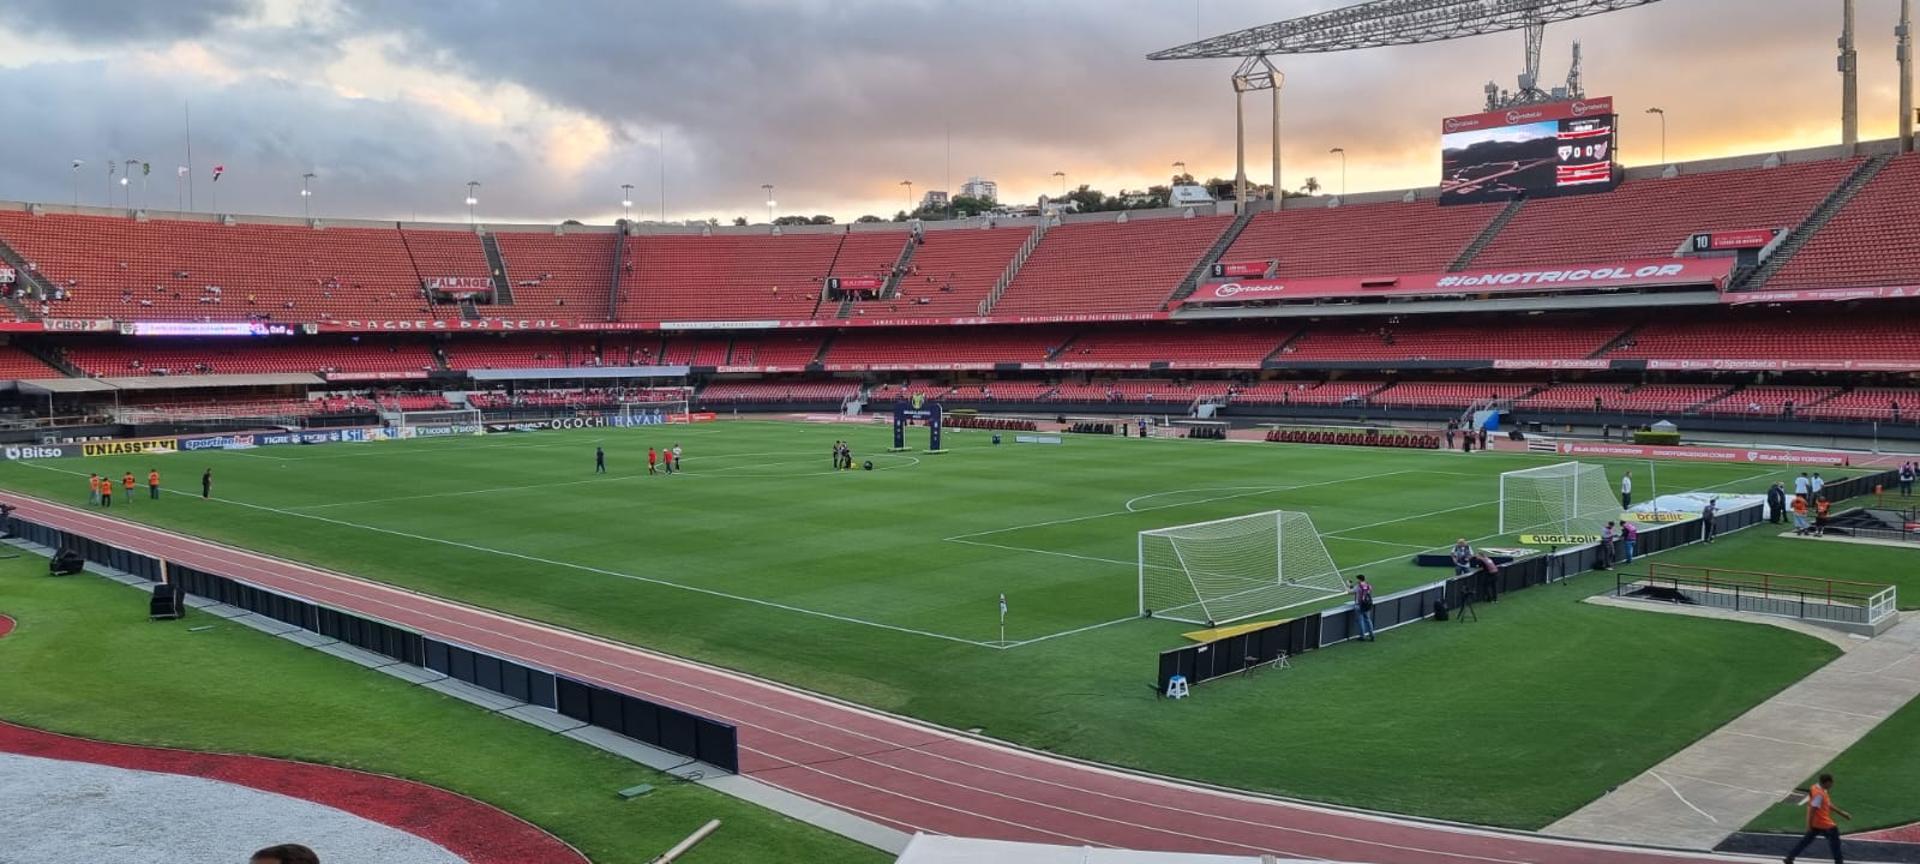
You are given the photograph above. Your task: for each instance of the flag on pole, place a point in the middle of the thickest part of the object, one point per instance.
(1003, 609)
(146, 168)
(217, 171)
(180, 171)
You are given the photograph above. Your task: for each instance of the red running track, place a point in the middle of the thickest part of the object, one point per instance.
(903, 774)
(478, 833)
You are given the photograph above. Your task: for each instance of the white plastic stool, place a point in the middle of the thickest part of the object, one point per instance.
(1177, 687)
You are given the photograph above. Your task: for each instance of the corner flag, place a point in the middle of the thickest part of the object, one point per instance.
(1003, 609)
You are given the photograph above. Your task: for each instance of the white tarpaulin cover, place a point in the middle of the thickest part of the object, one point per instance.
(931, 849)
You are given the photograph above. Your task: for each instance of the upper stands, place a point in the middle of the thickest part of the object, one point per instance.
(1873, 241)
(558, 274)
(446, 253)
(1109, 266)
(952, 271)
(1361, 239)
(176, 270)
(1650, 218)
(677, 277)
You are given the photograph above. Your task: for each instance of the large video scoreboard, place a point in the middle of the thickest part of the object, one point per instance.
(1532, 151)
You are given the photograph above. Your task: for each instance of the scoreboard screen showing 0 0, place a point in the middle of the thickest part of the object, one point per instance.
(1534, 151)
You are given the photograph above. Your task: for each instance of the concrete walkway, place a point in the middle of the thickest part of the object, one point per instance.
(1699, 796)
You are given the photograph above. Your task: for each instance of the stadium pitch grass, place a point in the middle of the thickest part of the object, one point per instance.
(82, 662)
(881, 587)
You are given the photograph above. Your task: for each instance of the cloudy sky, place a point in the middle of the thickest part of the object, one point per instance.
(551, 106)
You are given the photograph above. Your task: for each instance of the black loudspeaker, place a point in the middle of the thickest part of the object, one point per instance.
(168, 603)
(66, 562)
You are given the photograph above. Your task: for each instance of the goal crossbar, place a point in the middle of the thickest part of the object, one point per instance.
(1231, 569)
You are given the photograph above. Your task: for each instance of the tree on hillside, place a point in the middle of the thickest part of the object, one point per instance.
(869, 218)
(739, 221)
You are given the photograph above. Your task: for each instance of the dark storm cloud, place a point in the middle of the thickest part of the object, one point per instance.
(117, 21)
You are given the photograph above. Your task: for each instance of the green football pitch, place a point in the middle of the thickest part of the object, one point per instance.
(881, 587)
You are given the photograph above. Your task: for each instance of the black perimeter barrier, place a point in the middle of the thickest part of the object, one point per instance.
(687, 734)
(1208, 660)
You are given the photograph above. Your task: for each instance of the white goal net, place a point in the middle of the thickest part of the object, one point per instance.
(652, 413)
(457, 421)
(1569, 498)
(1232, 569)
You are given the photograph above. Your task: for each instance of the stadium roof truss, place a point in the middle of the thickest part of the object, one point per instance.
(1390, 22)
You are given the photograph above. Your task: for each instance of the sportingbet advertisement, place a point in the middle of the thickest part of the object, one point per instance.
(1533, 151)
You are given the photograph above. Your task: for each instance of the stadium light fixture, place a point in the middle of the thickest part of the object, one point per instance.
(76, 182)
(626, 199)
(1180, 169)
(909, 185)
(1062, 175)
(1343, 169)
(1389, 22)
(769, 189)
(306, 195)
(472, 198)
(1663, 132)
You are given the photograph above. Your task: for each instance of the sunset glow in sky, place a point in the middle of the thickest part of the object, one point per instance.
(551, 107)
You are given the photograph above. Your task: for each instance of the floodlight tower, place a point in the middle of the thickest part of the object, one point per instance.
(1380, 23)
(1255, 74)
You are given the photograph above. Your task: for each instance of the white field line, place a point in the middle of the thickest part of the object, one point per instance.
(848, 619)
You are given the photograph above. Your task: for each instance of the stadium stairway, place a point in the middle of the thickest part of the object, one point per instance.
(1618, 340)
(1280, 349)
(27, 274)
(1205, 265)
(1494, 226)
(52, 356)
(1798, 237)
(900, 267)
(619, 260)
(497, 265)
(1013, 267)
(469, 311)
(846, 303)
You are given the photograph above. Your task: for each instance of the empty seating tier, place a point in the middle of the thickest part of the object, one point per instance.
(1873, 241)
(1361, 239)
(1109, 266)
(1650, 218)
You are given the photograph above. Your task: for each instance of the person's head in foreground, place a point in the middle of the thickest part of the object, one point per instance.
(285, 853)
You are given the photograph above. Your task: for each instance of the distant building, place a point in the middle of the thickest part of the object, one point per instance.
(935, 199)
(985, 190)
(1185, 195)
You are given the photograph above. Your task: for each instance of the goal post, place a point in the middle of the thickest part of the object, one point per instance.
(462, 421)
(1572, 498)
(649, 413)
(1232, 569)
